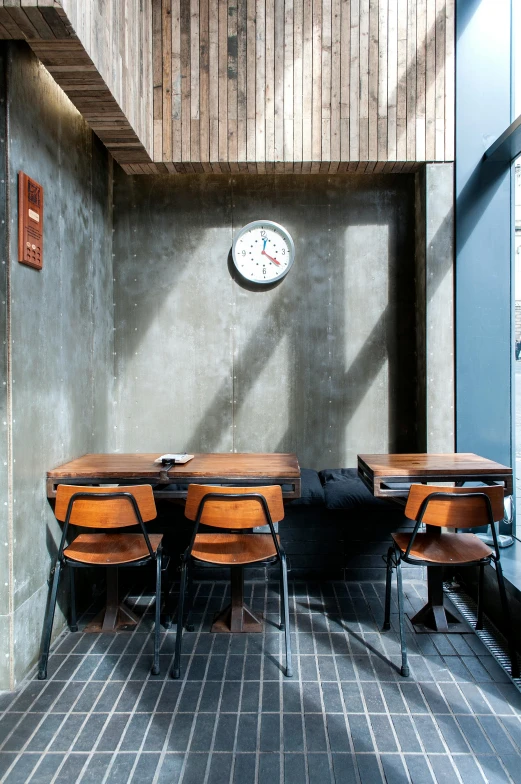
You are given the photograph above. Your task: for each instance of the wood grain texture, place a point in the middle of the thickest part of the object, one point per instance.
(380, 473)
(456, 512)
(233, 549)
(253, 85)
(235, 513)
(100, 53)
(105, 513)
(111, 549)
(316, 85)
(444, 549)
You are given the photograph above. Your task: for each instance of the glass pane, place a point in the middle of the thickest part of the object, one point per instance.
(516, 54)
(517, 281)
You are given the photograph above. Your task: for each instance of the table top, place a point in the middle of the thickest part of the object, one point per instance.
(377, 470)
(409, 464)
(229, 464)
(268, 468)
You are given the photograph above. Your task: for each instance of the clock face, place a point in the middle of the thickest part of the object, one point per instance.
(263, 252)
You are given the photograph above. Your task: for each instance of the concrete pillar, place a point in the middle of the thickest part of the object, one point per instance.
(435, 306)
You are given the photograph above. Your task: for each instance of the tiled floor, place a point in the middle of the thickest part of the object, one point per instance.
(346, 716)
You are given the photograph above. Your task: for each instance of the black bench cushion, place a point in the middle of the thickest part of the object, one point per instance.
(311, 490)
(343, 489)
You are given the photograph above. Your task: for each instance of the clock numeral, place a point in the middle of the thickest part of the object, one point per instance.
(243, 253)
(263, 233)
(283, 251)
(264, 270)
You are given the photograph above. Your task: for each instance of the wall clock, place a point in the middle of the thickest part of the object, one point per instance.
(263, 252)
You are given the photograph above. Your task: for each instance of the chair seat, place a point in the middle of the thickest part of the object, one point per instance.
(110, 549)
(230, 549)
(445, 548)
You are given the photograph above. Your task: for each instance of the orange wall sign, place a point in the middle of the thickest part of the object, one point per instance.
(30, 221)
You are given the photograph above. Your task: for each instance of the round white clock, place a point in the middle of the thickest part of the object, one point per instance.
(263, 252)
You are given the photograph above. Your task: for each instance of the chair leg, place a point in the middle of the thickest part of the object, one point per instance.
(405, 665)
(190, 598)
(176, 671)
(74, 623)
(481, 586)
(514, 666)
(282, 591)
(157, 626)
(285, 601)
(49, 618)
(389, 574)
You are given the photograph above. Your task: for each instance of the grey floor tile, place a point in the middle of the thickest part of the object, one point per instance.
(369, 769)
(135, 732)
(418, 768)
(444, 772)
(180, 732)
(394, 770)
(225, 734)
(315, 732)
(96, 768)
(319, 770)
(71, 768)
(384, 738)
(405, 733)
(195, 768)
(360, 734)
(247, 732)
(170, 769)
(145, 768)
(270, 732)
(244, 769)
(48, 765)
(203, 732)
(456, 700)
(220, 768)
(468, 769)
(344, 768)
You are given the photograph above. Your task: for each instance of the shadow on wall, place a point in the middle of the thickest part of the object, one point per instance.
(323, 364)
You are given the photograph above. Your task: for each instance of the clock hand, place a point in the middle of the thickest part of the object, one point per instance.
(270, 258)
(264, 246)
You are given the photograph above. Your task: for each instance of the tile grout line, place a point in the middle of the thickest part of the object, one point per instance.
(70, 711)
(181, 690)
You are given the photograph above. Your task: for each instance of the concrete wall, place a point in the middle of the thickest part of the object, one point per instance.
(59, 352)
(435, 307)
(323, 364)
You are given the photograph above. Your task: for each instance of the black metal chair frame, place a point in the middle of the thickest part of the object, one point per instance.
(62, 561)
(187, 561)
(395, 557)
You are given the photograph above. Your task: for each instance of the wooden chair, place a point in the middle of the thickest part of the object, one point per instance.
(106, 508)
(239, 509)
(448, 507)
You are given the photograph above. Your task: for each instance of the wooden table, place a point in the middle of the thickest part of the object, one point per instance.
(388, 476)
(230, 468)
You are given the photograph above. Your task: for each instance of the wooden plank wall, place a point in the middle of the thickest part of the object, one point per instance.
(302, 85)
(99, 52)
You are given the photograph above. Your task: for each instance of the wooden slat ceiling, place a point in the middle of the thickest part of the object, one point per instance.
(99, 62)
(302, 85)
(253, 85)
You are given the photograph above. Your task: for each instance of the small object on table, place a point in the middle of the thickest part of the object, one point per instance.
(390, 476)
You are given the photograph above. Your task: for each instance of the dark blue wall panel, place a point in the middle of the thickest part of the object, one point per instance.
(483, 232)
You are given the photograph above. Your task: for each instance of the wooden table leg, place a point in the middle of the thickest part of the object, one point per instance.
(115, 616)
(237, 617)
(434, 616)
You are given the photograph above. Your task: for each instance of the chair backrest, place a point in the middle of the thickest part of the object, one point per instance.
(456, 512)
(105, 512)
(236, 512)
